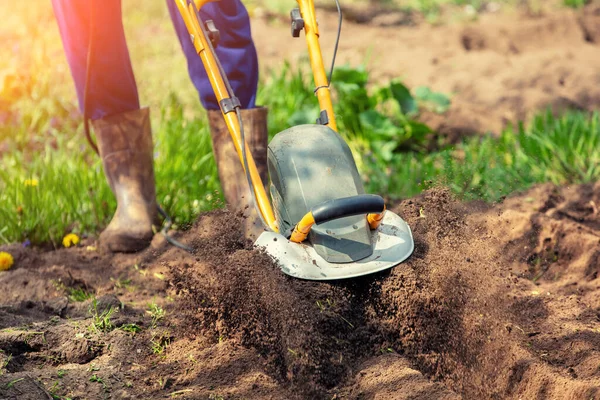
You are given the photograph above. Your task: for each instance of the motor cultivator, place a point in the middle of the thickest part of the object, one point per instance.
(319, 222)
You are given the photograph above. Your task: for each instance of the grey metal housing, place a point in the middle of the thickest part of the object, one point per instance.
(309, 164)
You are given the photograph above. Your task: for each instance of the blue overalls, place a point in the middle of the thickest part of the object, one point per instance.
(112, 86)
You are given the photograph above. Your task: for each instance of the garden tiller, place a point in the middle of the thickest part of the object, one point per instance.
(320, 224)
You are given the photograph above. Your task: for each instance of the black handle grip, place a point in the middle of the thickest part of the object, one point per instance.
(347, 207)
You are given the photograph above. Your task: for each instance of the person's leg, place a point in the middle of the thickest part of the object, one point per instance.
(112, 88)
(122, 129)
(237, 54)
(235, 51)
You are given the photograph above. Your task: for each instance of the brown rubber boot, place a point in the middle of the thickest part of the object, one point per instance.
(125, 146)
(231, 173)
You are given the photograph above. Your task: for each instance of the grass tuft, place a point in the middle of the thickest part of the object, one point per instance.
(101, 320)
(130, 328)
(79, 294)
(156, 312)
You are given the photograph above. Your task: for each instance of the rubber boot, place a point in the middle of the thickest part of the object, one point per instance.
(125, 146)
(231, 173)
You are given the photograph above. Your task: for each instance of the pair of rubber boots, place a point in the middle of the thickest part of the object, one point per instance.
(126, 148)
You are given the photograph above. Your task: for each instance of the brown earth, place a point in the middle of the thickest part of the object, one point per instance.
(499, 69)
(497, 302)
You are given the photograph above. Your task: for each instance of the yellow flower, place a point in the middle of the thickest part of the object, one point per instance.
(31, 182)
(6, 261)
(70, 240)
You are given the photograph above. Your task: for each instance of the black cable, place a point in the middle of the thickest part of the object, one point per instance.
(335, 48)
(337, 40)
(166, 227)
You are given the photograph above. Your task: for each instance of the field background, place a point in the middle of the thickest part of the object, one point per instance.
(51, 183)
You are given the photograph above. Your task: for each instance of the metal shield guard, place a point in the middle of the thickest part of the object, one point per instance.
(392, 241)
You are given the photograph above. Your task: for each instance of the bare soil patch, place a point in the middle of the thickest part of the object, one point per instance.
(497, 302)
(499, 69)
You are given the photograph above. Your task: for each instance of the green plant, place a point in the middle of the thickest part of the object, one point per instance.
(156, 312)
(575, 3)
(159, 343)
(121, 283)
(13, 382)
(79, 294)
(101, 320)
(552, 149)
(97, 379)
(5, 363)
(55, 387)
(131, 328)
(562, 149)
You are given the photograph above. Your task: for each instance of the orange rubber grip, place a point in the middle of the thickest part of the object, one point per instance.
(303, 228)
(374, 220)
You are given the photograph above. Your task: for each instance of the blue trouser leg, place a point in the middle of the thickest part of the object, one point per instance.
(112, 87)
(235, 51)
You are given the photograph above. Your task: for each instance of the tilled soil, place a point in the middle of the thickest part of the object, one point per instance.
(496, 302)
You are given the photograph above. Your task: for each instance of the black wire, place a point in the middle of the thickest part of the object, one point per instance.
(167, 226)
(337, 40)
(335, 49)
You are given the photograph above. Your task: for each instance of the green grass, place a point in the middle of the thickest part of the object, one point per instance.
(13, 382)
(101, 320)
(575, 3)
(386, 142)
(75, 294)
(130, 328)
(4, 363)
(159, 343)
(560, 150)
(156, 312)
(79, 294)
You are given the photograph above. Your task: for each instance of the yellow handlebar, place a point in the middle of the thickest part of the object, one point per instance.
(218, 85)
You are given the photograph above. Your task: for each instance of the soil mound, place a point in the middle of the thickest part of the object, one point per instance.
(450, 312)
(312, 335)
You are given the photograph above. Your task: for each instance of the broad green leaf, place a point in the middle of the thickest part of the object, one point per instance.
(378, 124)
(346, 74)
(402, 95)
(435, 101)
